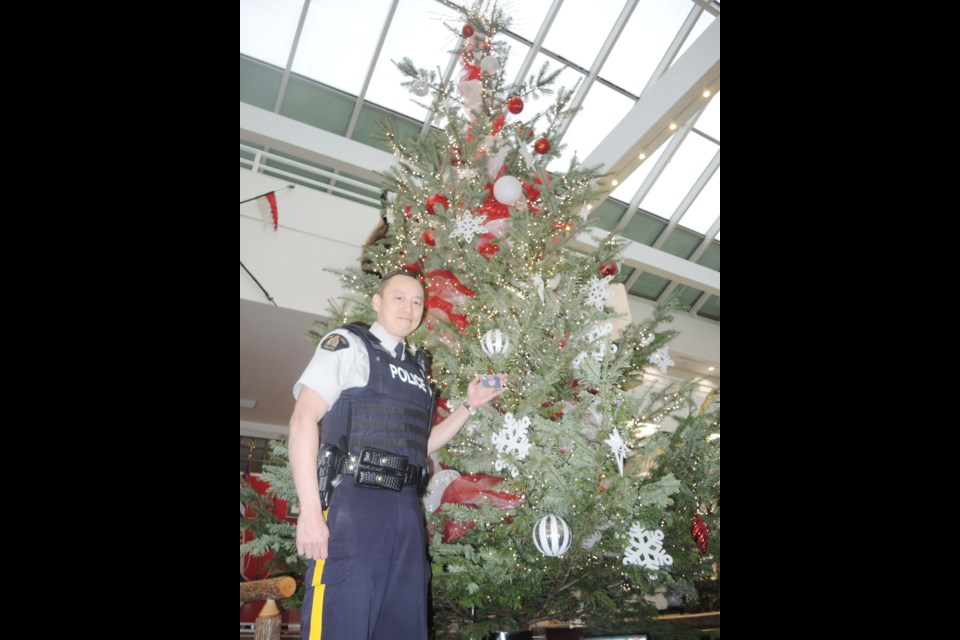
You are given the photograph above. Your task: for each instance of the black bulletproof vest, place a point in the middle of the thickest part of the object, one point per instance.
(391, 413)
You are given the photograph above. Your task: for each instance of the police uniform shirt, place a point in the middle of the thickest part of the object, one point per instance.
(341, 362)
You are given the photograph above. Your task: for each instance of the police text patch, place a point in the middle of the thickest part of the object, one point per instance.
(334, 342)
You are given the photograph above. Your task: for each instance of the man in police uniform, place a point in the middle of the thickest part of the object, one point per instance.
(368, 573)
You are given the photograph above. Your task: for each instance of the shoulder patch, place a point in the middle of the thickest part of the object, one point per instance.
(334, 342)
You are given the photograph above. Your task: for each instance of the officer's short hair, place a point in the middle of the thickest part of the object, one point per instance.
(390, 276)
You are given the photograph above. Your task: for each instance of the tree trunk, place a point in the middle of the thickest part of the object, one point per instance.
(267, 589)
(267, 626)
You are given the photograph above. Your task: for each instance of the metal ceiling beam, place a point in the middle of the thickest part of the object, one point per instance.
(598, 63)
(671, 149)
(370, 68)
(661, 263)
(674, 98)
(697, 253)
(293, 52)
(688, 200)
(537, 43)
(315, 145)
(447, 74)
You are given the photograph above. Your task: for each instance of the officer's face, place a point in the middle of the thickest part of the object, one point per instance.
(400, 307)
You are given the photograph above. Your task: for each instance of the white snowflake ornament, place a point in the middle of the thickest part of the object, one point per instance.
(646, 548)
(511, 439)
(661, 358)
(618, 447)
(598, 291)
(469, 225)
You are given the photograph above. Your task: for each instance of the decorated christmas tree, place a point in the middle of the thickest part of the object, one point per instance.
(564, 499)
(583, 488)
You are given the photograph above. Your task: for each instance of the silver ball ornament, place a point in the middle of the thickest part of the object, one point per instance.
(551, 535)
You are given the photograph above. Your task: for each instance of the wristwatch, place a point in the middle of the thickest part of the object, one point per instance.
(470, 410)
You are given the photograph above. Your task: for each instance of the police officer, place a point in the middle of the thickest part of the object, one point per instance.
(368, 573)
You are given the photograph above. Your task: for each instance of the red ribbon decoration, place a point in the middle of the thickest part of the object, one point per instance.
(444, 292)
(471, 490)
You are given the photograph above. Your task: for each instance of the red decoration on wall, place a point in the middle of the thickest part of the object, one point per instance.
(515, 105)
(699, 532)
(541, 146)
(272, 199)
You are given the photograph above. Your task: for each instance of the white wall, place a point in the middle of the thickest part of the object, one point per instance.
(316, 231)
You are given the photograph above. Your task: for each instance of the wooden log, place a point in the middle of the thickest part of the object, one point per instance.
(267, 626)
(267, 589)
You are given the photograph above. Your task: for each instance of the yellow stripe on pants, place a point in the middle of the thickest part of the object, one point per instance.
(316, 607)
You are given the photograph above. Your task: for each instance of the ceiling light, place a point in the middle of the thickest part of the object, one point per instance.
(643, 156)
(614, 182)
(673, 126)
(710, 368)
(706, 93)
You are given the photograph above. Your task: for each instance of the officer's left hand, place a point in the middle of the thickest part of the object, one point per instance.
(479, 395)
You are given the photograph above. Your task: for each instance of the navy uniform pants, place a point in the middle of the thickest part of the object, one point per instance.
(373, 583)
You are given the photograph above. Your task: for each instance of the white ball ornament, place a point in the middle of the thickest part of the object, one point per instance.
(507, 190)
(494, 342)
(490, 64)
(552, 536)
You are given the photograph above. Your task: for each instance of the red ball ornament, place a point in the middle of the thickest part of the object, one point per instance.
(413, 267)
(467, 31)
(515, 105)
(699, 532)
(541, 146)
(428, 238)
(435, 199)
(609, 269)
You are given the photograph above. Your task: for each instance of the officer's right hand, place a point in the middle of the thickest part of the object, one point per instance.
(312, 535)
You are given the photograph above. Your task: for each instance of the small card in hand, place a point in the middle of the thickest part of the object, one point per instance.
(490, 381)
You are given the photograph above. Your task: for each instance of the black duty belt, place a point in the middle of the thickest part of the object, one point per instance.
(378, 469)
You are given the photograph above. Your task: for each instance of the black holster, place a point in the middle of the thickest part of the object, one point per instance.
(328, 477)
